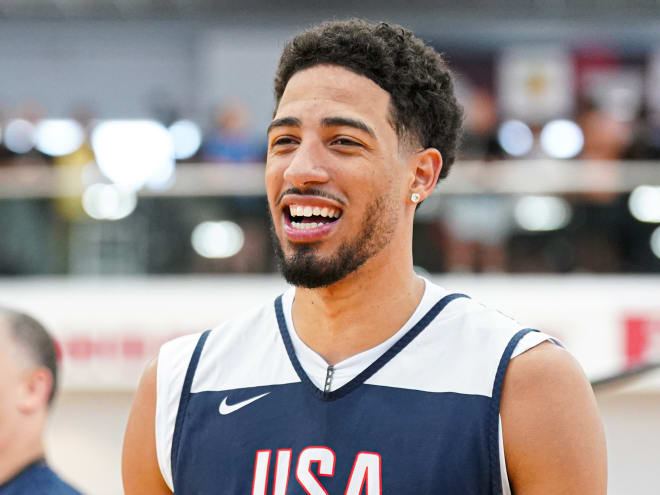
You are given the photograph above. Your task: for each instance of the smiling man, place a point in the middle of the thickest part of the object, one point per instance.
(363, 377)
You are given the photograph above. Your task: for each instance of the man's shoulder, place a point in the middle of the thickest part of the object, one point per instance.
(459, 349)
(465, 315)
(253, 319)
(38, 478)
(236, 344)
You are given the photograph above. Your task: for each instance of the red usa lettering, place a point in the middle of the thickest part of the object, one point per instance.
(366, 471)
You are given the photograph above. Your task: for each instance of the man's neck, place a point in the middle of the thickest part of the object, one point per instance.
(16, 458)
(357, 313)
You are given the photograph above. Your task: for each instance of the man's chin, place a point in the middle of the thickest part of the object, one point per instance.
(303, 265)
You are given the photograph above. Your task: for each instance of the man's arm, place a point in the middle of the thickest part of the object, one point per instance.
(554, 441)
(140, 471)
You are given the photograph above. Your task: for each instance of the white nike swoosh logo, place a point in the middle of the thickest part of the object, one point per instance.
(228, 409)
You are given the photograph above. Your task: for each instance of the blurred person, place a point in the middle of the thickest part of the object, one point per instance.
(28, 382)
(605, 137)
(69, 168)
(600, 215)
(479, 140)
(645, 142)
(232, 142)
(478, 225)
(363, 375)
(231, 139)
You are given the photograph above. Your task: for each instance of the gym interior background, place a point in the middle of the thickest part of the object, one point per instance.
(132, 204)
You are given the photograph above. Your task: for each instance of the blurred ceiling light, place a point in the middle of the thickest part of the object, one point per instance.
(644, 203)
(163, 177)
(542, 213)
(217, 239)
(19, 136)
(108, 202)
(562, 139)
(515, 137)
(187, 138)
(57, 137)
(655, 242)
(132, 152)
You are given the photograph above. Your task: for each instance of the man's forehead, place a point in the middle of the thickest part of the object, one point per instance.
(331, 84)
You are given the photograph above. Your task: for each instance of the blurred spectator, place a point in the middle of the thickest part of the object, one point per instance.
(599, 216)
(231, 140)
(69, 168)
(645, 143)
(605, 137)
(477, 226)
(479, 140)
(28, 380)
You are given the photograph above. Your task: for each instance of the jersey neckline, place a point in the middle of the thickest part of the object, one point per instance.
(370, 370)
(316, 367)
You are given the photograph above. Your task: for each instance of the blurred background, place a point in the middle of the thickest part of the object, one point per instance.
(132, 207)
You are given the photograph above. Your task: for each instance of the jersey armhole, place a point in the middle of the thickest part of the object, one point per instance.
(173, 359)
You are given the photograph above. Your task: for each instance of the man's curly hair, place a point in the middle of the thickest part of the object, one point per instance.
(424, 109)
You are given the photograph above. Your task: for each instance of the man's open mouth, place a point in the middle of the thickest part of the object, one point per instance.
(305, 217)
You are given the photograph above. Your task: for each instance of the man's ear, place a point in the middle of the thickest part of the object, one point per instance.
(35, 390)
(425, 170)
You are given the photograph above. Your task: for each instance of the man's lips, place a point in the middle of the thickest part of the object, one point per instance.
(309, 217)
(309, 231)
(308, 228)
(293, 195)
(310, 200)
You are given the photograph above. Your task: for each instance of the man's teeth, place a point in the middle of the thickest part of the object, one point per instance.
(308, 211)
(306, 226)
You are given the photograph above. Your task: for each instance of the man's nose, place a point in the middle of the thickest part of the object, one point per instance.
(307, 166)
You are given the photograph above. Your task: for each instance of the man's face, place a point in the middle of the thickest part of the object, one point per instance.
(12, 376)
(335, 178)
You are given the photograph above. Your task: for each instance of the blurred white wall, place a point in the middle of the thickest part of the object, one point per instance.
(126, 69)
(632, 428)
(117, 68)
(84, 439)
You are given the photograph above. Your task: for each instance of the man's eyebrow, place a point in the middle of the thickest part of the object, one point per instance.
(344, 121)
(284, 122)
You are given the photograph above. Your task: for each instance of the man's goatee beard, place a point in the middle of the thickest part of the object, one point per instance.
(306, 269)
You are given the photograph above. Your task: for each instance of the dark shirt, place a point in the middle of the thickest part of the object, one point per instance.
(37, 479)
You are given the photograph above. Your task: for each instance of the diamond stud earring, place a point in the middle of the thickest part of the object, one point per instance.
(414, 197)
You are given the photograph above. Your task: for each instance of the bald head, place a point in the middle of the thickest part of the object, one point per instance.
(33, 339)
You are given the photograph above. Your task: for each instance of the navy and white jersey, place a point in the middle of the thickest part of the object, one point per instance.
(248, 408)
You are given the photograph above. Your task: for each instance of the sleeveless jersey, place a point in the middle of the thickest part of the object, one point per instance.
(237, 414)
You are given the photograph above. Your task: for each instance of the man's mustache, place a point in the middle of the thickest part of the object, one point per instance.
(309, 192)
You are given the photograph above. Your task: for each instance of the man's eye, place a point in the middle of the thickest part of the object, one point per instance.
(346, 142)
(283, 141)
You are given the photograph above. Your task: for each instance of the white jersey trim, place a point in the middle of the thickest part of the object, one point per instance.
(173, 360)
